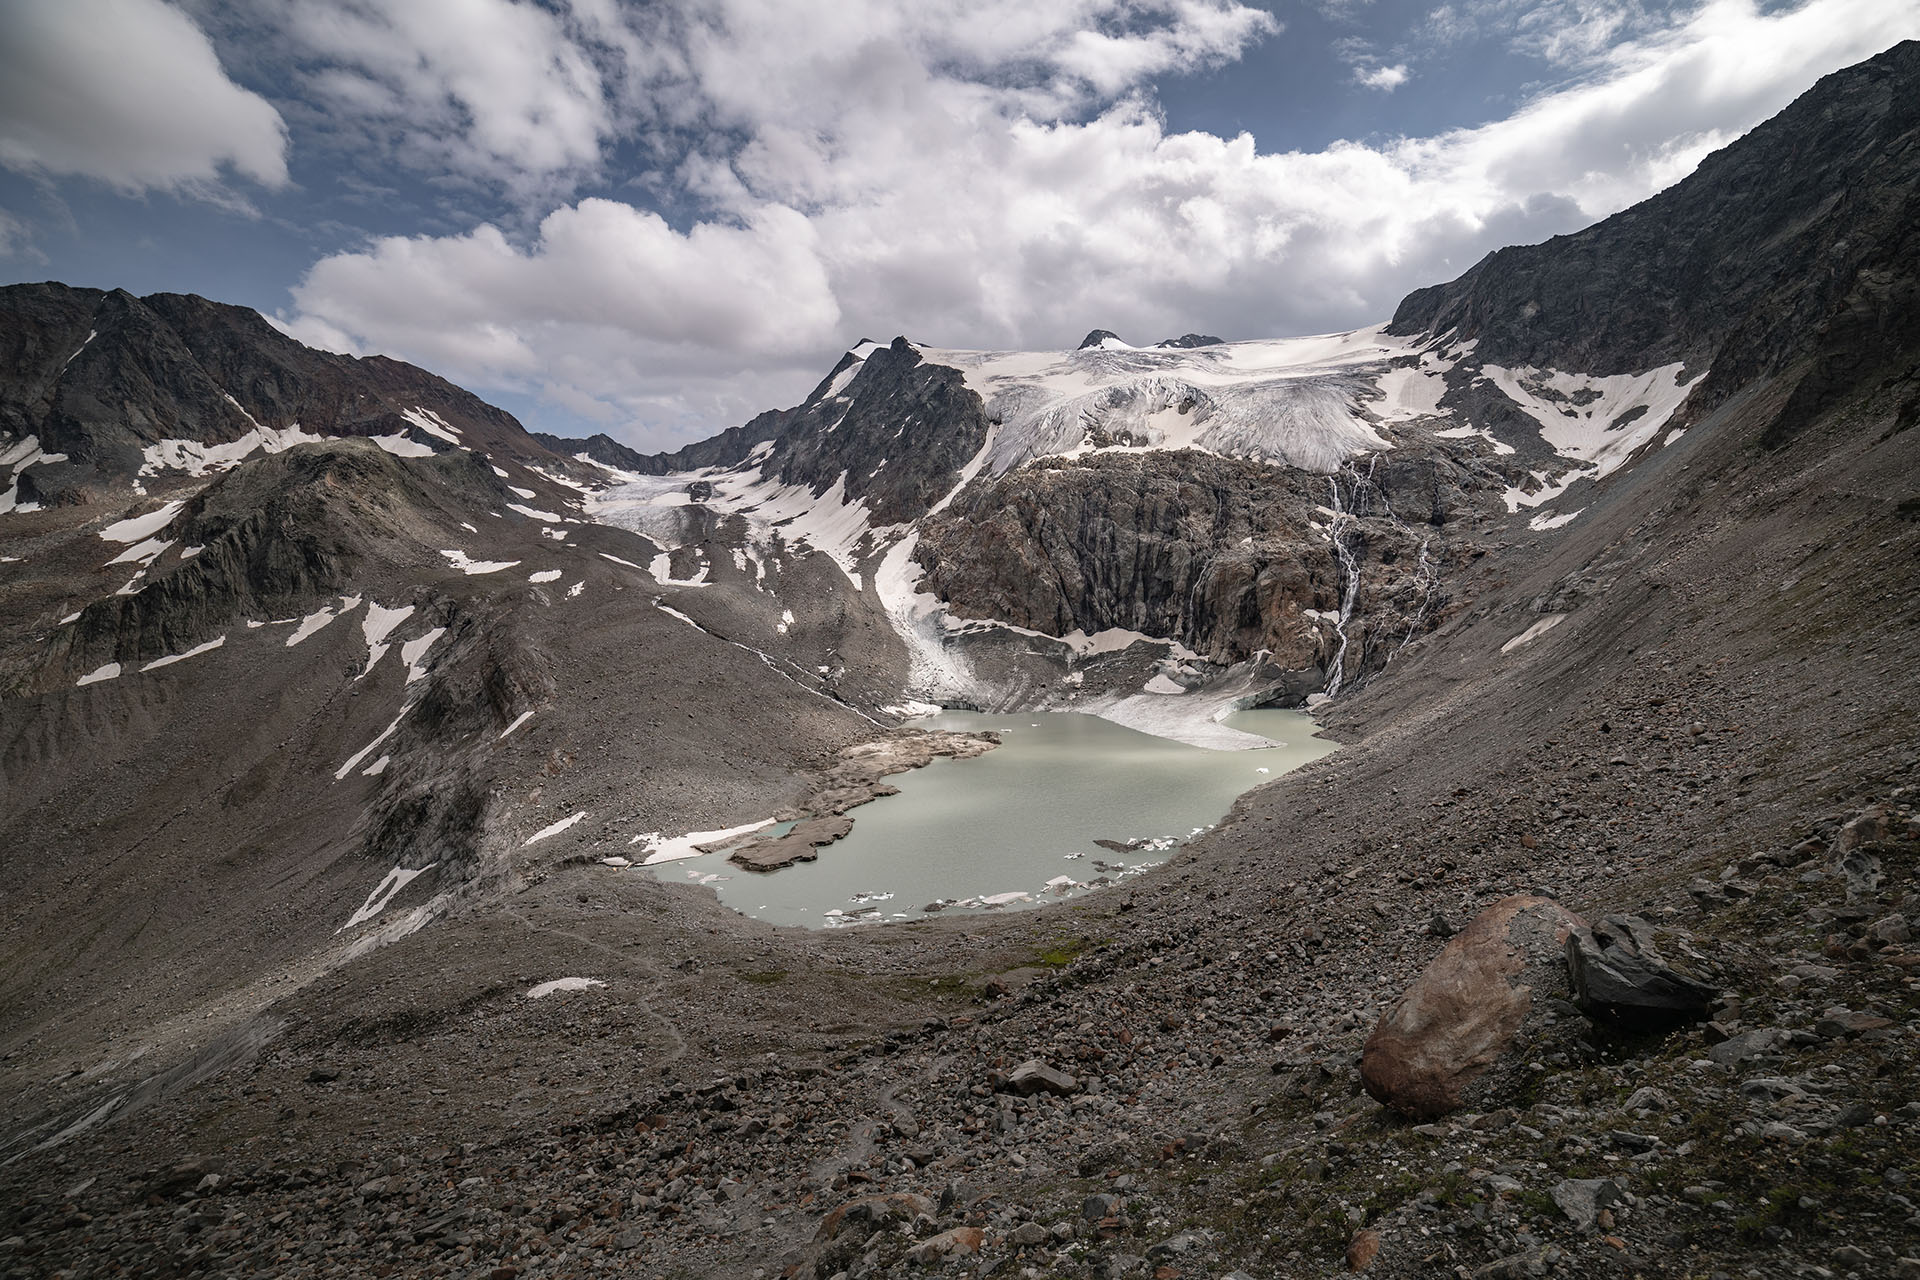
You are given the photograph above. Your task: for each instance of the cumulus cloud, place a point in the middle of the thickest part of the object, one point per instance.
(129, 92)
(868, 169)
(519, 94)
(1387, 78)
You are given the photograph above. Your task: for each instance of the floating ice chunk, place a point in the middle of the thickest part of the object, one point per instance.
(1002, 899)
(544, 575)
(194, 652)
(109, 672)
(554, 829)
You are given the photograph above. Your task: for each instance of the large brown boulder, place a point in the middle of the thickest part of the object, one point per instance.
(1433, 1049)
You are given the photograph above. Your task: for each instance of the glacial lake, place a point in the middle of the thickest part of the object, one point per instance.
(991, 833)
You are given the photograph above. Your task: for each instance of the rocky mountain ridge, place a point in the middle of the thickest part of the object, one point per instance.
(100, 388)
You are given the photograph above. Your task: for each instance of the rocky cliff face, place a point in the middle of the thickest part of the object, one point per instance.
(1228, 556)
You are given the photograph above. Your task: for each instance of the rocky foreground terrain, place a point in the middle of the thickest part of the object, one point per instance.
(1685, 718)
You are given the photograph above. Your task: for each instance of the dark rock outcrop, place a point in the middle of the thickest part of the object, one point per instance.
(276, 534)
(899, 433)
(1097, 337)
(1619, 974)
(1442, 1045)
(1187, 341)
(1221, 554)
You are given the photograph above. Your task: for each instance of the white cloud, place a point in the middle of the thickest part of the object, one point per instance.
(514, 92)
(16, 239)
(129, 92)
(1388, 78)
(868, 169)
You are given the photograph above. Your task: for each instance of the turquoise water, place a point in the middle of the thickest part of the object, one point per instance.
(990, 833)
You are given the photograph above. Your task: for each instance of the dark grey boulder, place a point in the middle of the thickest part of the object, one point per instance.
(1619, 975)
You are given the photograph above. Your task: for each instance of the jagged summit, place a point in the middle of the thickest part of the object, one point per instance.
(1100, 338)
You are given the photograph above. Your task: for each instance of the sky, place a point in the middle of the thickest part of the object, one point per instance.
(656, 219)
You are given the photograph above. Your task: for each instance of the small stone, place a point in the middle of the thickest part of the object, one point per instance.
(957, 1243)
(1364, 1248)
(1028, 1234)
(1844, 1023)
(1034, 1076)
(1581, 1199)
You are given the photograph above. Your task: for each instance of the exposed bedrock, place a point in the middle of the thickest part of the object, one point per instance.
(1225, 555)
(275, 536)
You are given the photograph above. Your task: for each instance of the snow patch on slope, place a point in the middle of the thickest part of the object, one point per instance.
(197, 459)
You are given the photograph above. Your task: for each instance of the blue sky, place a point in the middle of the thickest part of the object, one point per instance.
(658, 219)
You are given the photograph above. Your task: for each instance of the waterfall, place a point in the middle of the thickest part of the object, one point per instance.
(1340, 530)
